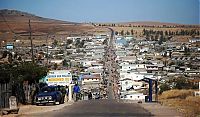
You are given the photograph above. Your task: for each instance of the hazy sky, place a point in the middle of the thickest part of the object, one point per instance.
(175, 11)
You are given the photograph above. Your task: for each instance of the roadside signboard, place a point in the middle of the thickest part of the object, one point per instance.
(59, 77)
(9, 46)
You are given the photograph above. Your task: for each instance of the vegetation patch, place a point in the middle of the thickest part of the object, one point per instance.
(183, 100)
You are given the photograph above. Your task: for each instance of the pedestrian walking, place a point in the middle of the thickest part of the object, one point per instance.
(76, 92)
(67, 93)
(90, 95)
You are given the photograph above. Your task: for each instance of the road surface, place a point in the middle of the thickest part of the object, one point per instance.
(97, 108)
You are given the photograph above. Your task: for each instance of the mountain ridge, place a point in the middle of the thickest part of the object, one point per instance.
(16, 15)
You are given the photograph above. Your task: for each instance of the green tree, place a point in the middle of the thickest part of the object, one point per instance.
(55, 66)
(22, 72)
(69, 41)
(116, 33)
(31, 72)
(65, 63)
(122, 33)
(132, 33)
(144, 31)
(161, 40)
(55, 42)
(81, 45)
(105, 41)
(164, 87)
(166, 33)
(127, 32)
(77, 43)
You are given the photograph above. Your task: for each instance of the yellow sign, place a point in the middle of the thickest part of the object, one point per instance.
(59, 77)
(55, 79)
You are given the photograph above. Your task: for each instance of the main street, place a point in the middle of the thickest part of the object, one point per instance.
(111, 67)
(98, 108)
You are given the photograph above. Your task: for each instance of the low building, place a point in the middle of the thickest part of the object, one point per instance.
(91, 79)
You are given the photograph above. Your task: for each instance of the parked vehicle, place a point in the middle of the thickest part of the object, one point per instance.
(49, 94)
(96, 95)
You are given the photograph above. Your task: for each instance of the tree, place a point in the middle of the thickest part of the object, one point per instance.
(198, 32)
(144, 31)
(116, 33)
(161, 40)
(22, 72)
(105, 41)
(55, 66)
(127, 32)
(164, 87)
(82, 44)
(32, 72)
(65, 63)
(77, 43)
(69, 41)
(122, 33)
(55, 42)
(156, 37)
(132, 32)
(152, 37)
(166, 33)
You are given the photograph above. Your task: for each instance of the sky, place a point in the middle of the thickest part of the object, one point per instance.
(172, 11)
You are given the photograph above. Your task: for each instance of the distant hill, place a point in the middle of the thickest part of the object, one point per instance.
(17, 22)
(19, 16)
(150, 23)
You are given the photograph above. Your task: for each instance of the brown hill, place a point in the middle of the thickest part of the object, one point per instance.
(16, 22)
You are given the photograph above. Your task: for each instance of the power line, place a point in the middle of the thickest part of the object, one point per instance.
(11, 30)
(7, 23)
(30, 37)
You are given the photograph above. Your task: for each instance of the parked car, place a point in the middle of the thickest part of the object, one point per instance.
(49, 94)
(96, 95)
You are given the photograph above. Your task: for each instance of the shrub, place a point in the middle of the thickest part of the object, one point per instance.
(164, 87)
(181, 94)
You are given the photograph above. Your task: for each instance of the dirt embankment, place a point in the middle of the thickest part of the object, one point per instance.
(183, 100)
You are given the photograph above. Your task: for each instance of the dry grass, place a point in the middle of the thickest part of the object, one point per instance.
(181, 94)
(183, 100)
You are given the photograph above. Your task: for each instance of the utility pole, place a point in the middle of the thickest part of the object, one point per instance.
(47, 49)
(30, 37)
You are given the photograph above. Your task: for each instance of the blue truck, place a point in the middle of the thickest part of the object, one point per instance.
(50, 94)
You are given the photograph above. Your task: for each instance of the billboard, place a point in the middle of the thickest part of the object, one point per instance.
(59, 77)
(10, 46)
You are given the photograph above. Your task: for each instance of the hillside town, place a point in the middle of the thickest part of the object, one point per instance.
(124, 64)
(85, 57)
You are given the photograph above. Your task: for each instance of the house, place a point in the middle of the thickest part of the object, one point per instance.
(86, 63)
(132, 95)
(127, 67)
(91, 79)
(144, 49)
(134, 75)
(57, 61)
(121, 53)
(194, 40)
(128, 38)
(95, 69)
(99, 39)
(131, 59)
(126, 84)
(129, 83)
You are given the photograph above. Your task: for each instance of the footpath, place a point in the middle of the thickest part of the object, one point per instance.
(158, 110)
(31, 109)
